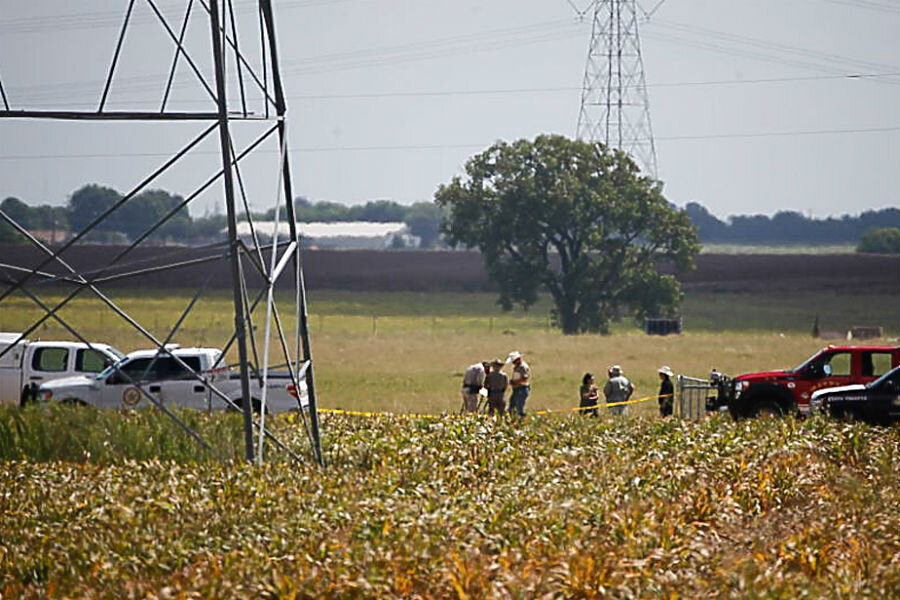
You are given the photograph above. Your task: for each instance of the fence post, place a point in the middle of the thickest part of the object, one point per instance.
(374, 325)
(680, 397)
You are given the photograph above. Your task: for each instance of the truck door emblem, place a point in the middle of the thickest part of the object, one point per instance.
(131, 396)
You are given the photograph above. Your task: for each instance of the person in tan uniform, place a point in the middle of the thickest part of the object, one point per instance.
(520, 383)
(473, 381)
(496, 382)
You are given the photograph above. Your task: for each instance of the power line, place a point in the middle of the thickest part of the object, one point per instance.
(763, 56)
(108, 18)
(712, 82)
(492, 40)
(562, 89)
(488, 40)
(417, 147)
(868, 4)
(771, 46)
(781, 133)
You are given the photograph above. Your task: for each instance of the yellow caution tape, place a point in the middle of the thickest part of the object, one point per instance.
(358, 413)
(597, 406)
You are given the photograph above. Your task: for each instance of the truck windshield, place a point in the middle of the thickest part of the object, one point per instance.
(106, 372)
(809, 361)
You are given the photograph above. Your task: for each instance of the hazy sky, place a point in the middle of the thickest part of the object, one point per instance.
(753, 106)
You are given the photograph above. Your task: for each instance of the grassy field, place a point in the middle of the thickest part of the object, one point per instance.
(778, 249)
(407, 351)
(453, 508)
(112, 505)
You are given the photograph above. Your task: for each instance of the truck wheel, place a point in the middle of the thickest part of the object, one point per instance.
(254, 402)
(767, 408)
(29, 396)
(73, 402)
(848, 415)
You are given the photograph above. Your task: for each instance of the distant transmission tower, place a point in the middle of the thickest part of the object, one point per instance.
(614, 105)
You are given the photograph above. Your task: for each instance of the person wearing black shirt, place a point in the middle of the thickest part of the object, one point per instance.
(666, 391)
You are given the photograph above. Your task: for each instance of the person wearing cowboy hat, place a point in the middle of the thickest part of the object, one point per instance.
(666, 391)
(617, 390)
(520, 383)
(496, 382)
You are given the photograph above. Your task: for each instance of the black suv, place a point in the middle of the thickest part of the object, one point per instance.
(877, 402)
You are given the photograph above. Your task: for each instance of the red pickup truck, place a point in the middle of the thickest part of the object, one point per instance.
(788, 391)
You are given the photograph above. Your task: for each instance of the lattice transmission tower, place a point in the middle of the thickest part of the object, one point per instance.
(614, 106)
(208, 72)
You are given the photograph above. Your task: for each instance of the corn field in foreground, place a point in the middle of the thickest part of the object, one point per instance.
(450, 507)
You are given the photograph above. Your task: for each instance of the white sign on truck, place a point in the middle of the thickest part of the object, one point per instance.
(25, 365)
(171, 384)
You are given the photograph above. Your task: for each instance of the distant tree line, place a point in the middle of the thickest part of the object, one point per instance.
(788, 227)
(86, 204)
(138, 214)
(423, 219)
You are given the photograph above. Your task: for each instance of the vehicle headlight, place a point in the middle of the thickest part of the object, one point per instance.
(815, 404)
(739, 387)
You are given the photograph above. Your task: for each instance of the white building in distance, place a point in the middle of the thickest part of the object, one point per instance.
(341, 234)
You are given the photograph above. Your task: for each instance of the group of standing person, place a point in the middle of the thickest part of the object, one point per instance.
(486, 381)
(618, 391)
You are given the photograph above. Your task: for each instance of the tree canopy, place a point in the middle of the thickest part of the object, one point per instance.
(880, 240)
(574, 218)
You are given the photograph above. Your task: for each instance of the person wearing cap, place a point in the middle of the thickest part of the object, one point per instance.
(520, 383)
(473, 381)
(617, 389)
(496, 382)
(666, 391)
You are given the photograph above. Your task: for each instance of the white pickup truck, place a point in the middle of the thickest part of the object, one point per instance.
(26, 365)
(170, 384)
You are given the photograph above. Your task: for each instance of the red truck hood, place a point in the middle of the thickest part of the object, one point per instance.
(765, 375)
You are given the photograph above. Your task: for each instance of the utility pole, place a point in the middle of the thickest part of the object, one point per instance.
(241, 91)
(614, 106)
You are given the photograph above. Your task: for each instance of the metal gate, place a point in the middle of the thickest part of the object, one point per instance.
(692, 395)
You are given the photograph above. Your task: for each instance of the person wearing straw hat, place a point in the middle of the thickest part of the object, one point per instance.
(666, 391)
(496, 382)
(473, 382)
(520, 383)
(617, 390)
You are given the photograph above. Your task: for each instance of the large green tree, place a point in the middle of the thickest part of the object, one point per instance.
(880, 240)
(574, 218)
(89, 202)
(18, 211)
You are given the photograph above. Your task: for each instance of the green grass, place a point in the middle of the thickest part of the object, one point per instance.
(473, 507)
(64, 433)
(778, 249)
(406, 351)
(101, 504)
(791, 313)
